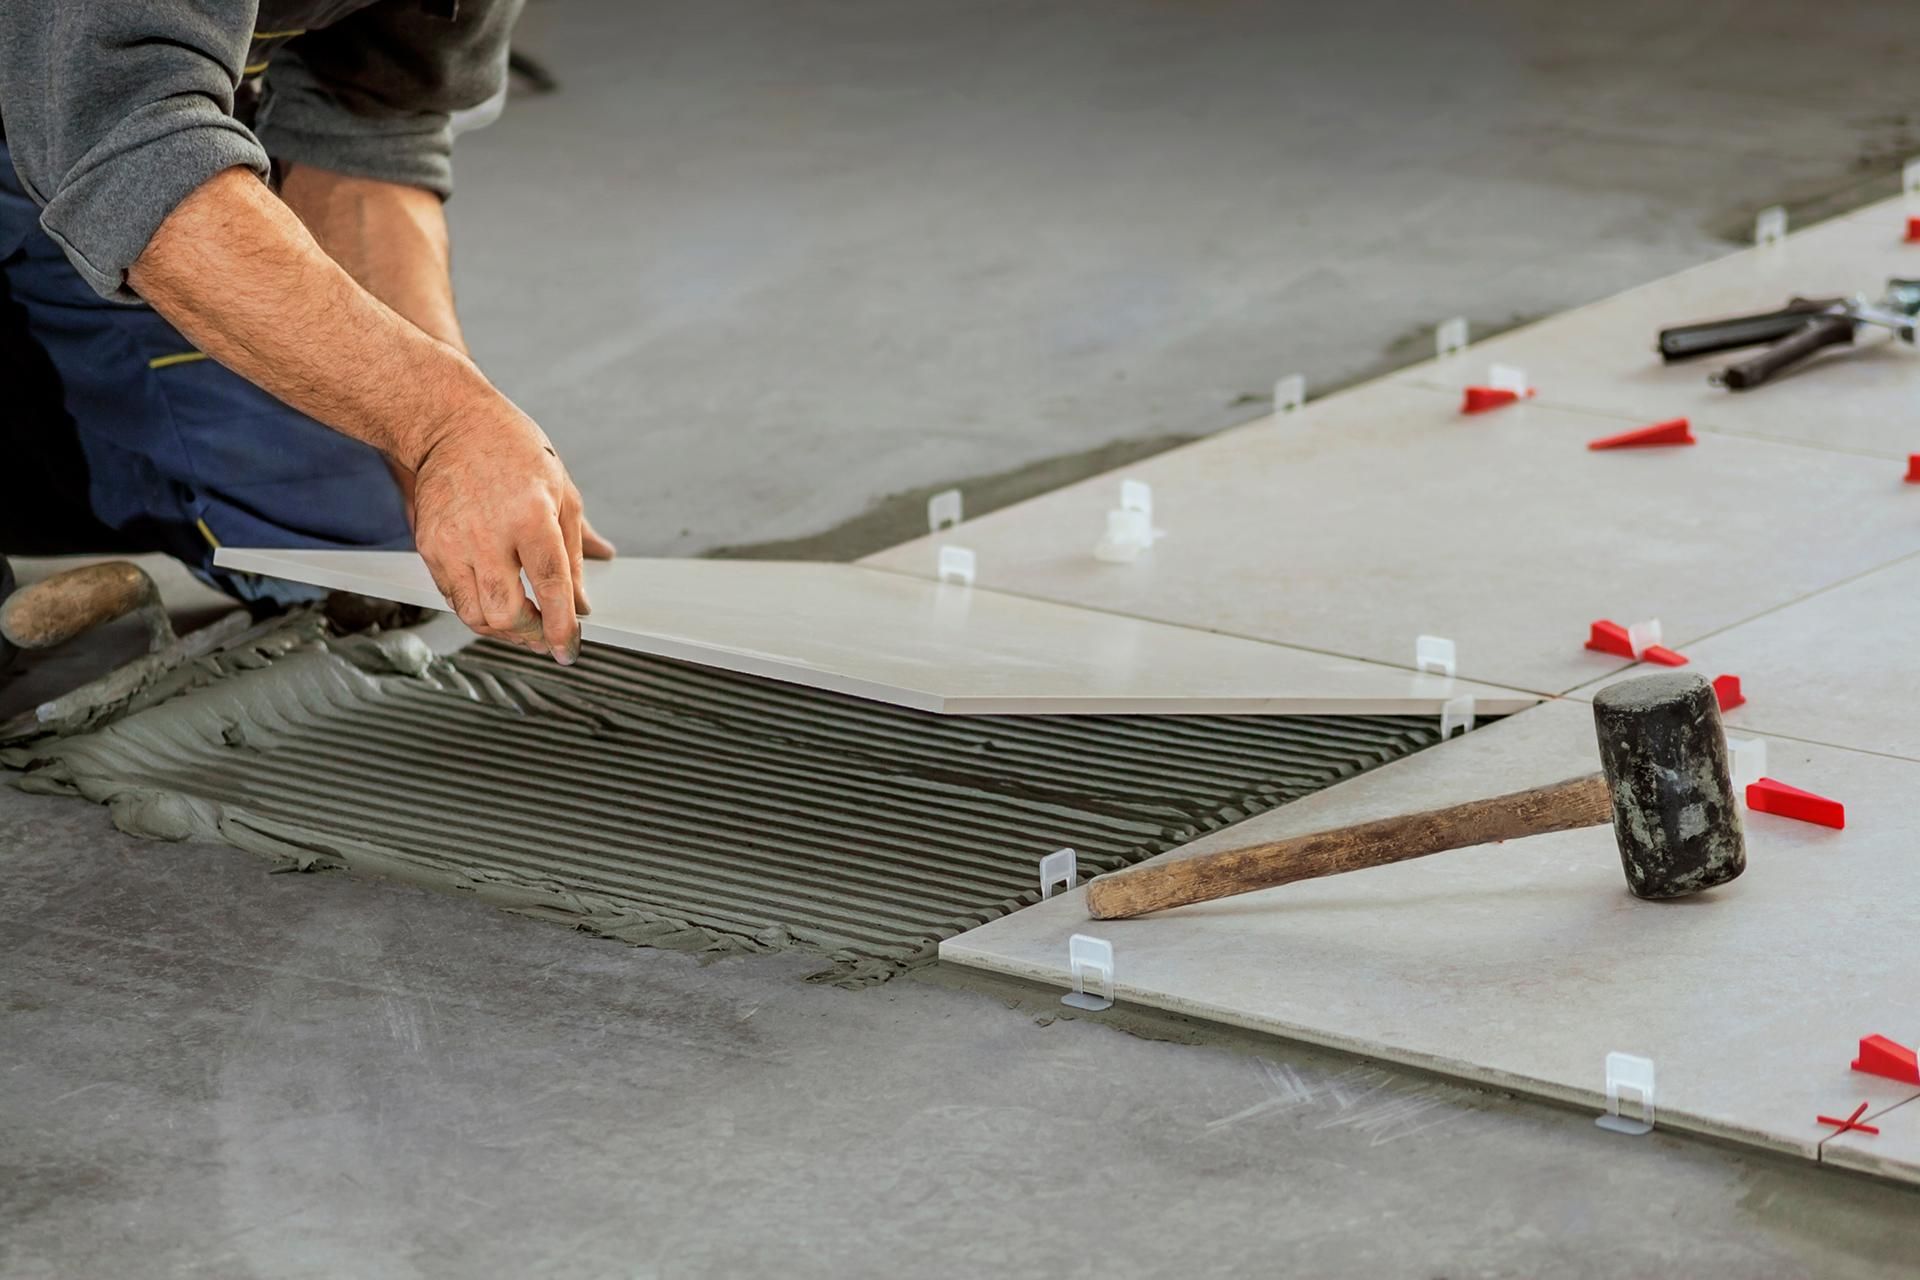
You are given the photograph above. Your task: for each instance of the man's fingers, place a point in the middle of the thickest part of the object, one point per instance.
(570, 525)
(504, 604)
(455, 584)
(595, 546)
(549, 569)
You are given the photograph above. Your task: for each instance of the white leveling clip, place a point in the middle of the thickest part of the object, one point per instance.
(1130, 526)
(1061, 867)
(1629, 1073)
(1746, 761)
(956, 565)
(1091, 962)
(1434, 653)
(1289, 393)
(943, 510)
(1507, 377)
(1770, 226)
(1450, 337)
(1456, 713)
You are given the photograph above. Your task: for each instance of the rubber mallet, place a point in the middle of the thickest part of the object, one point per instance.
(1663, 783)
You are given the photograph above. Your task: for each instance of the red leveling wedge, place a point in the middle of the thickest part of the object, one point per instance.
(1726, 690)
(1880, 1056)
(1481, 399)
(1768, 796)
(1672, 431)
(1610, 637)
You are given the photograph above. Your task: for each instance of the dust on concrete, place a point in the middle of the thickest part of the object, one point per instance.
(1839, 1213)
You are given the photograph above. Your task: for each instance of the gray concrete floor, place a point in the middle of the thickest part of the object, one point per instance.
(769, 272)
(210, 1070)
(760, 267)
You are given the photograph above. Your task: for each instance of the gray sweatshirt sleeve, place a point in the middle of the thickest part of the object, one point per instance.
(373, 94)
(116, 112)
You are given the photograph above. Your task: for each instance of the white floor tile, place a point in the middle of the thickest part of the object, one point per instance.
(1841, 667)
(945, 648)
(1381, 514)
(1894, 1152)
(1603, 357)
(1522, 965)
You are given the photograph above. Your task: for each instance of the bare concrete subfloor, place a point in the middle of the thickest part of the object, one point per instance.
(209, 1070)
(758, 267)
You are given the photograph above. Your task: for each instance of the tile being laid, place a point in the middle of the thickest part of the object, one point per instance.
(1382, 514)
(1521, 965)
(1841, 667)
(1603, 357)
(938, 647)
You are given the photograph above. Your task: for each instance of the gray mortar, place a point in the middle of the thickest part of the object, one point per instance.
(674, 806)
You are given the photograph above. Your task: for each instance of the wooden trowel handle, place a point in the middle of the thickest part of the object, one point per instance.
(1578, 802)
(55, 610)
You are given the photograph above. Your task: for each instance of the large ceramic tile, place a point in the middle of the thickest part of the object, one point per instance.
(938, 647)
(1522, 965)
(1603, 357)
(1382, 514)
(1841, 667)
(1894, 1152)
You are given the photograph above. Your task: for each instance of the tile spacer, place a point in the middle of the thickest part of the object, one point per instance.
(1768, 796)
(943, 510)
(1625, 1071)
(956, 565)
(1434, 653)
(1726, 691)
(1672, 431)
(1850, 1124)
(1290, 393)
(1089, 957)
(1061, 867)
(1880, 1056)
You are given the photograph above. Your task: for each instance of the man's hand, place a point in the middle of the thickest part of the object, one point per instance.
(237, 272)
(491, 500)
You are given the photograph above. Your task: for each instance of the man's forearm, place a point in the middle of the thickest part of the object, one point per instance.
(390, 238)
(239, 274)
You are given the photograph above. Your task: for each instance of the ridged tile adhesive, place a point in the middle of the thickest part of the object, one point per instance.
(672, 805)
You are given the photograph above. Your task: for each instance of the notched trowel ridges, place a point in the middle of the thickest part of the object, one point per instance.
(673, 805)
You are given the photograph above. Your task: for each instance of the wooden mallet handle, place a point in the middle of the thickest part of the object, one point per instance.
(1579, 802)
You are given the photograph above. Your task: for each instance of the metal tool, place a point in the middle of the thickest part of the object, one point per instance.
(1796, 331)
(1663, 783)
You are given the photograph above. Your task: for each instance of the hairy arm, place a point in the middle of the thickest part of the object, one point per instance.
(390, 237)
(235, 270)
